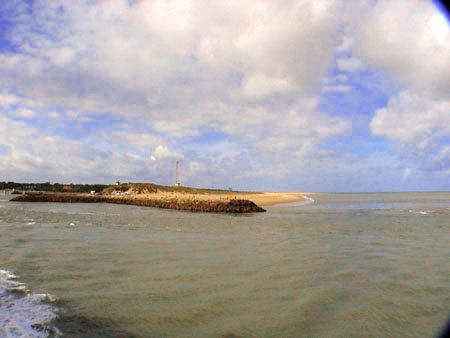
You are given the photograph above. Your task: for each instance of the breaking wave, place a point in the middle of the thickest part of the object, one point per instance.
(22, 313)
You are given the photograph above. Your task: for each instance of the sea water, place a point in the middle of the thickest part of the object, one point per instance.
(337, 265)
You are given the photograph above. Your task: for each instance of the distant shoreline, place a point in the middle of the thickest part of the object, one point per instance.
(167, 197)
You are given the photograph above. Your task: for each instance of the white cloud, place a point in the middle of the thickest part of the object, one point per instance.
(411, 41)
(146, 51)
(133, 139)
(407, 173)
(419, 123)
(31, 155)
(258, 86)
(175, 71)
(413, 119)
(336, 88)
(54, 115)
(25, 113)
(8, 99)
(163, 152)
(184, 67)
(346, 45)
(349, 64)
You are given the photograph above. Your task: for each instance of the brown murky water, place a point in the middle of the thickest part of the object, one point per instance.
(373, 265)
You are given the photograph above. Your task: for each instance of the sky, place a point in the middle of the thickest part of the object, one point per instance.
(263, 95)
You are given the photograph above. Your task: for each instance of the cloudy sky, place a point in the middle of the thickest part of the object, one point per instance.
(293, 95)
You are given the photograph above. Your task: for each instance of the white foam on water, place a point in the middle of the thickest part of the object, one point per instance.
(7, 275)
(306, 200)
(78, 213)
(419, 212)
(309, 199)
(24, 314)
(44, 297)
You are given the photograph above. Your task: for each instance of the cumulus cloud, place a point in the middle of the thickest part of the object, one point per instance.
(29, 154)
(411, 41)
(163, 152)
(132, 139)
(413, 119)
(25, 113)
(182, 68)
(137, 56)
(54, 115)
(126, 87)
(7, 99)
(421, 124)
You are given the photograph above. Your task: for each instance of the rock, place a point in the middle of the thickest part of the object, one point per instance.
(232, 206)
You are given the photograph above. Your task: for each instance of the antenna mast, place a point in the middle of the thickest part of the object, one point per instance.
(177, 177)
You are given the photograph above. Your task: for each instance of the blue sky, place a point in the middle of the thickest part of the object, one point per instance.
(324, 95)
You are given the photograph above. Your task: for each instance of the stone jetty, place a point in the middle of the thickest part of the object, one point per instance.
(217, 206)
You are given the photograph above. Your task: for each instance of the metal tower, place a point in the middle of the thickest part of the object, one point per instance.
(177, 177)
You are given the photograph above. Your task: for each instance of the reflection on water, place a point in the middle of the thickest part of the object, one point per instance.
(344, 265)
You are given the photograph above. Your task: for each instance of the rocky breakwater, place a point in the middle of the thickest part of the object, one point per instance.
(229, 206)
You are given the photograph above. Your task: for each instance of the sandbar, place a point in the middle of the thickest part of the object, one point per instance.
(259, 198)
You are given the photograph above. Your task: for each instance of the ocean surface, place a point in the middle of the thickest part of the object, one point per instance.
(337, 265)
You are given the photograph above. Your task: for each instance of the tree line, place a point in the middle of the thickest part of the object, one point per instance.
(55, 187)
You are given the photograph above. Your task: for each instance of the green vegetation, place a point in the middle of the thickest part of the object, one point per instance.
(56, 187)
(151, 188)
(104, 188)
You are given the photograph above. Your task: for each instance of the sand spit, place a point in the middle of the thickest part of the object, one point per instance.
(272, 198)
(202, 203)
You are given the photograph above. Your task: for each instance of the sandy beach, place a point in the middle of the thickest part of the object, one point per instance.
(272, 198)
(261, 199)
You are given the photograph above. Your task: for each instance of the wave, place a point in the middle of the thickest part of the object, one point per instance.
(306, 200)
(309, 199)
(422, 212)
(22, 313)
